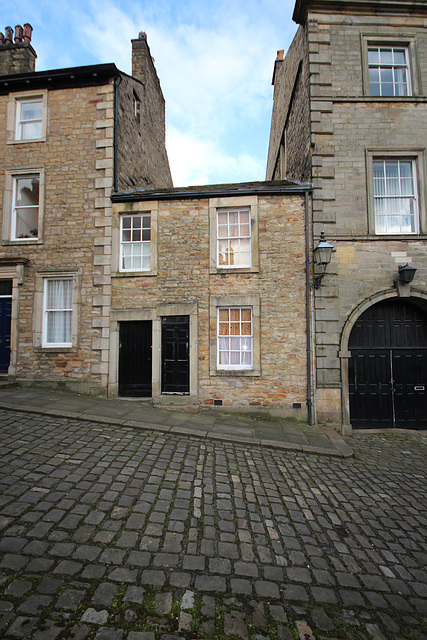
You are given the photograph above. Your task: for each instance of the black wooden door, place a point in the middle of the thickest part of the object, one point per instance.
(135, 359)
(5, 320)
(388, 367)
(175, 355)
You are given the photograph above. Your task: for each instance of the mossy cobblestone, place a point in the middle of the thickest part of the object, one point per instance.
(285, 543)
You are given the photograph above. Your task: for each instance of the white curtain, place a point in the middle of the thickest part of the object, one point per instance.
(59, 311)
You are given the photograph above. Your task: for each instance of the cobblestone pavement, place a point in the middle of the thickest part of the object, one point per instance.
(112, 533)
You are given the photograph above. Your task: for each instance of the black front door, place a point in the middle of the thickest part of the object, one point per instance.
(5, 323)
(388, 367)
(135, 359)
(175, 355)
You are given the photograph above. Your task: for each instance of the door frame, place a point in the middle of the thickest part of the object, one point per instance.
(13, 269)
(139, 382)
(155, 314)
(176, 323)
(416, 297)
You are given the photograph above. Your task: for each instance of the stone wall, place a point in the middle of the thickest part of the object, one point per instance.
(141, 154)
(184, 277)
(290, 125)
(349, 127)
(77, 160)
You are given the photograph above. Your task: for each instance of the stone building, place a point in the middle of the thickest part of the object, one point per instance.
(209, 296)
(350, 115)
(68, 138)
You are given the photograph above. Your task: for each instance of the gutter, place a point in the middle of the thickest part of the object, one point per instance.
(205, 192)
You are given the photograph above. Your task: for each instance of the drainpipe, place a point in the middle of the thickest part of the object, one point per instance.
(307, 309)
(117, 81)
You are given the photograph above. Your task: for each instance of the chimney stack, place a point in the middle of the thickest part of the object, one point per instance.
(16, 53)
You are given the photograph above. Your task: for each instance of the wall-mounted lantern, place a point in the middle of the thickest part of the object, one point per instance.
(406, 273)
(322, 257)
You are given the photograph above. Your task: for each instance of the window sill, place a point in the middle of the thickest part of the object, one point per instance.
(134, 274)
(234, 270)
(26, 141)
(55, 349)
(227, 373)
(21, 241)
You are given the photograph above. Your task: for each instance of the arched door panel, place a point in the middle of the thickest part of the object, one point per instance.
(388, 367)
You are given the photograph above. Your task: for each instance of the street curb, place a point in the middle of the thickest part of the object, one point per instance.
(342, 449)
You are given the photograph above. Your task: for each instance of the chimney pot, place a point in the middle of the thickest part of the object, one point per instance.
(142, 35)
(1, 39)
(8, 35)
(18, 33)
(27, 32)
(280, 54)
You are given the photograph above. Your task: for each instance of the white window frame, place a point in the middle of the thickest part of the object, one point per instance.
(233, 203)
(418, 197)
(40, 341)
(394, 67)
(403, 41)
(22, 122)
(244, 301)
(49, 312)
(9, 211)
(132, 243)
(241, 338)
(233, 242)
(14, 121)
(15, 208)
(385, 199)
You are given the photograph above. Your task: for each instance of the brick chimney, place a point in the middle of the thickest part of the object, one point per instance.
(16, 53)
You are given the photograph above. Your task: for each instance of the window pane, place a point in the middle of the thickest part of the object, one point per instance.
(58, 310)
(31, 130)
(135, 242)
(234, 315)
(27, 191)
(31, 110)
(395, 197)
(234, 350)
(29, 120)
(26, 222)
(388, 71)
(373, 56)
(233, 225)
(399, 56)
(386, 56)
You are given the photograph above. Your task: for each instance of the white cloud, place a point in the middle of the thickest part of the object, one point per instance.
(214, 61)
(198, 161)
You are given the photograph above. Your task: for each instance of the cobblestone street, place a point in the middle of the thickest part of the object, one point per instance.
(113, 533)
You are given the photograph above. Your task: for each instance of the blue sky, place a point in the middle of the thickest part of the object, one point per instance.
(214, 59)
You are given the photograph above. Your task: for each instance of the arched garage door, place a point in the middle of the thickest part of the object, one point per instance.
(388, 367)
